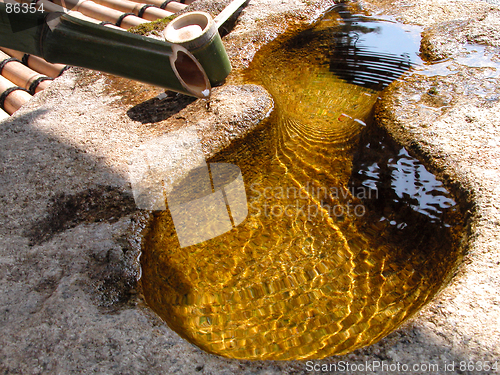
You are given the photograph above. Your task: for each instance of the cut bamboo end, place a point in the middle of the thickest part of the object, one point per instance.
(189, 72)
(192, 30)
(198, 33)
(12, 97)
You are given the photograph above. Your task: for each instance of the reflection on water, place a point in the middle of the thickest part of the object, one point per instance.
(409, 183)
(355, 59)
(346, 236)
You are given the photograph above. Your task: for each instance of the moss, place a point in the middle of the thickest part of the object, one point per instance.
(152, 27)
(433, 91)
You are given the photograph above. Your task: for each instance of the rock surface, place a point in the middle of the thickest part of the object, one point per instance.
(68, 262)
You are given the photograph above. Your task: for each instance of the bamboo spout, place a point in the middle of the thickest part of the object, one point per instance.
(198, 33)
(77, 42)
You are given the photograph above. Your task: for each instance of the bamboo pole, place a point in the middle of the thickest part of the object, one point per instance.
(146, 11)
(19, 74)
(49, 6)
(36, 63)
(102, 13)
(12, 97)
(73, 41)
(228, 11)
(170, 5)
(198, 33)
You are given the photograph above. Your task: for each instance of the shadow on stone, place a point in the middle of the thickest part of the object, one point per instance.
(156, 109)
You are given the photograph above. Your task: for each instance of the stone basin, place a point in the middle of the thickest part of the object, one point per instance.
(70, 302)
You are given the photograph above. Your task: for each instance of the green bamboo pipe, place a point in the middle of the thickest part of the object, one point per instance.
(61, 38)
(199, 34)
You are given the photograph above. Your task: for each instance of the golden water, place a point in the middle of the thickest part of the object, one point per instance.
(336, 251)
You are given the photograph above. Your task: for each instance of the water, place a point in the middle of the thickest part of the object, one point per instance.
(470, 56)
(354, 58)
(347, 234)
